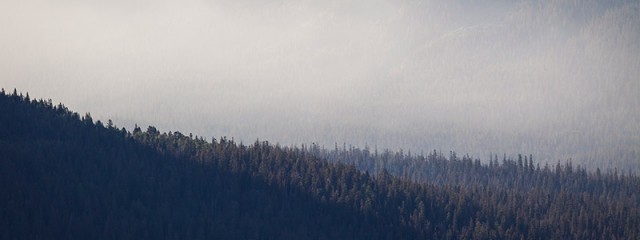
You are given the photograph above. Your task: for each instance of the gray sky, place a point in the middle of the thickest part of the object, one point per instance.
(557, 79)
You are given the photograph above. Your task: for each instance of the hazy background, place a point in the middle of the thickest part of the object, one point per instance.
(556, 79)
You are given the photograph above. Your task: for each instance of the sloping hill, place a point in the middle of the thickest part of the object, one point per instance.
(63, 176)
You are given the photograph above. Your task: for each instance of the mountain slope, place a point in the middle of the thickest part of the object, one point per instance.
(67, 177)
(64, 177)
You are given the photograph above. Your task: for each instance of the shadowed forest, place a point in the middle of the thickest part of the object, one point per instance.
(320, 119)
(66, 176)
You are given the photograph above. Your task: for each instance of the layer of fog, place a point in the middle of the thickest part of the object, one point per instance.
(557, 79)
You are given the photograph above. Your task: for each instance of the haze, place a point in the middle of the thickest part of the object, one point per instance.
(556, 79)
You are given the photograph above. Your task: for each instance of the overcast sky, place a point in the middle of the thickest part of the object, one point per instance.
(557, 79)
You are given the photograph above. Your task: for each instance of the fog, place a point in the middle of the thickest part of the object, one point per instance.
(556, 79)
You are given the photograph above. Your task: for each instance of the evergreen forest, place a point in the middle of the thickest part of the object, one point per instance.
(67, 176)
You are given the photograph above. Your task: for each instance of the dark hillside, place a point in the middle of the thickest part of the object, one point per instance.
(64, 176)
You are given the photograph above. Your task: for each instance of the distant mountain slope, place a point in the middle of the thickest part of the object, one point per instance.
(63, 176)
(556, 78)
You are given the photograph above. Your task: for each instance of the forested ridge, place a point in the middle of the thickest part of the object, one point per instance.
(66, 176)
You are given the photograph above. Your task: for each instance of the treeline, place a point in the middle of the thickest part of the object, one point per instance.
(520, 174)
(64, 176)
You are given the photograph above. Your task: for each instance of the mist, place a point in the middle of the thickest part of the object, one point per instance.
(556, 79)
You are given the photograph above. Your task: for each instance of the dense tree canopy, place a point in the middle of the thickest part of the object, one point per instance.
(64, 176)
